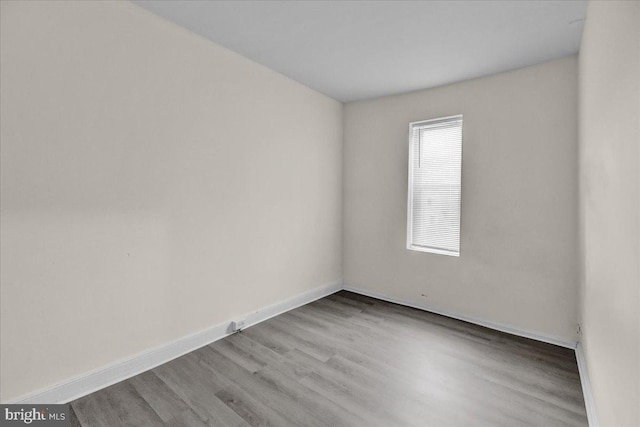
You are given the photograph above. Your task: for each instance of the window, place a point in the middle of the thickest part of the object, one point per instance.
(435, 169)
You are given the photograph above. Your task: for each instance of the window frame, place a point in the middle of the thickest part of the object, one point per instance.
(410, 245)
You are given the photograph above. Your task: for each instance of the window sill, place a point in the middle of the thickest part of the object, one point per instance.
(433, 250)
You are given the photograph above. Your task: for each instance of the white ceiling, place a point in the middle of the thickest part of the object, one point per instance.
(352, 50)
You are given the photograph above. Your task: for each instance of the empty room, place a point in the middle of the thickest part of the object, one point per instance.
(320, 213)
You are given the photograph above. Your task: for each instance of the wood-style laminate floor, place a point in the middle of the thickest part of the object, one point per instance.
(350, 360)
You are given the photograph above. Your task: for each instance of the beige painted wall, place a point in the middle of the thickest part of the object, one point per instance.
(518, 263)
(609, 208)
(143, 170)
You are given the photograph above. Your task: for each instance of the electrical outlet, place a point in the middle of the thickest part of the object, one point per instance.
(579, 329)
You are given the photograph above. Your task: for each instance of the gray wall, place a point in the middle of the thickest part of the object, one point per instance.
(609, 208)
(153, 184)
(519, 243)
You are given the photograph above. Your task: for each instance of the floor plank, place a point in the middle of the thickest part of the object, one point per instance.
(351, 360)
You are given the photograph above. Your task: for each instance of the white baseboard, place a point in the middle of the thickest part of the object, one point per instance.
(491, 325)
(89, 382)
(586, 387)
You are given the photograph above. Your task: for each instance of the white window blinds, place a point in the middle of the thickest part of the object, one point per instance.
(435, 166)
